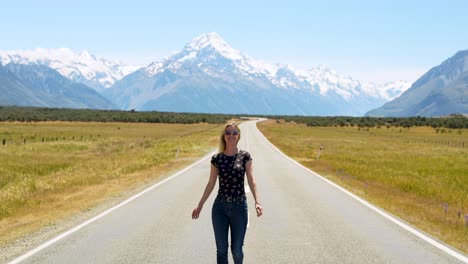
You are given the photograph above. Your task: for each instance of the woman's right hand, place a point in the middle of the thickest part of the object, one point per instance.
(196, 212)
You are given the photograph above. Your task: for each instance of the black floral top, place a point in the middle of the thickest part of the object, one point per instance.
(231, 171)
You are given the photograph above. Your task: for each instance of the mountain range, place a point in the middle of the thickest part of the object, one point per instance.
(442, 91)
(207, 75)
(39, 85)
(82, 67)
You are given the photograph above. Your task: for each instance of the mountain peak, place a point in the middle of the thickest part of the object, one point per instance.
(286, 70)
(207, 39)
(213, 42)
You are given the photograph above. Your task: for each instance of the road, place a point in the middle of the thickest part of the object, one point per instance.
(306, 220)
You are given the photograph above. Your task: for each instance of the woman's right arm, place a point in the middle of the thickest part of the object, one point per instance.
(208, 189)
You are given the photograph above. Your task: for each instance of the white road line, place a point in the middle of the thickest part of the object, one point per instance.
(382, 213)
(247, 142)
(73, 230)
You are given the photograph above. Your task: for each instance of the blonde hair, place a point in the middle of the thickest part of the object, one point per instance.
(222, 142)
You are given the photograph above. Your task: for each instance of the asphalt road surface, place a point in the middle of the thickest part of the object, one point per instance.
(306, 220)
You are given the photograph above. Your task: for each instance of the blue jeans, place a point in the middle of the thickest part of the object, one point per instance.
(225, 215)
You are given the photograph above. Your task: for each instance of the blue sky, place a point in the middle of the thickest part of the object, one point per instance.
(367, 40)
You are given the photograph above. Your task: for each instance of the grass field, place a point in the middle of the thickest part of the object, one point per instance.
(52, 170)
(417, 174)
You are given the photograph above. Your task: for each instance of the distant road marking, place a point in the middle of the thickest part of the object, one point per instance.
(73, 230)
(382, 213)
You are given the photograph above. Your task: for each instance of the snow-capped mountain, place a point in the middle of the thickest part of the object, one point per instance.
(208, 75)
(82, 67)
(327, 80)
(42, 86)
(212, 54)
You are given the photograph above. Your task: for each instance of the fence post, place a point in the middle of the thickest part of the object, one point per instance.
(4, 142)
(445, 210)
(320, 152)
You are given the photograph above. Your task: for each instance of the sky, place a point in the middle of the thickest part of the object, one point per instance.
(375, 40)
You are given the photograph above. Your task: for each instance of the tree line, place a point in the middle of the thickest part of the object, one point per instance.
(453, 121)
(35, 114)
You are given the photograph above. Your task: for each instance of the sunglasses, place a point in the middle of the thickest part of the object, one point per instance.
(228, 133)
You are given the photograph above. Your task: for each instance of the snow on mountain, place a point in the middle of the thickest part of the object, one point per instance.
(83, 67)
(287, 77)
(321, 79)
(215, 41)
(325, 80)
(207, 64)
(387, 91)
(154, 68)
(212, 54)
(41, 86)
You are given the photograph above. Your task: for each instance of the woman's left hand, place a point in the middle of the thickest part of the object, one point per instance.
(259, 209)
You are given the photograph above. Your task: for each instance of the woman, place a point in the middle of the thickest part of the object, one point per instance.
(230, 206)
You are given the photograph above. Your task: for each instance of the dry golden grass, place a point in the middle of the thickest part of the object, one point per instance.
(412, 173)
(82, 165)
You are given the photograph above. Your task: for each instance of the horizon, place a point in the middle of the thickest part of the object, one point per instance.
(384, 42)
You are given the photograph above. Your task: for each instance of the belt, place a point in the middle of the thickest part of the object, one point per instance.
(230, 199)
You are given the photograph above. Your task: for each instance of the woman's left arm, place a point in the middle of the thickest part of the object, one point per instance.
(253, 187)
